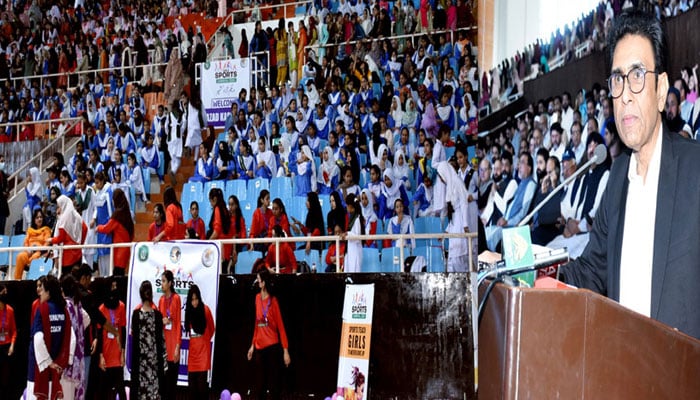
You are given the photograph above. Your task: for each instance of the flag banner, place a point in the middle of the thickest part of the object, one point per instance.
(353, 366)
(221, 82)
(191, 263)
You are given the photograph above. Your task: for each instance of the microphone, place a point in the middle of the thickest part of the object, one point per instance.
(599, 155)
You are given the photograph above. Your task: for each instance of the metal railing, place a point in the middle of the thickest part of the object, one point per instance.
(230, 19)
(412, 36)
(57, 145)
(258, 68)
(129, 67)
(337, 239)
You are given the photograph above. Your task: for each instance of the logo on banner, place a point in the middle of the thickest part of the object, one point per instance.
(143, 253)
(359, 306)
(208, 257)
(175, 254)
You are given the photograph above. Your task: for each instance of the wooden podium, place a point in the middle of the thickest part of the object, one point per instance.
(576, 344)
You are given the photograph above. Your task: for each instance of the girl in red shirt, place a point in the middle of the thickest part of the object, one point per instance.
(174, 224)
(261, 219)
(269, 340)
(158, 224)
(121, 227)
(70, 230)
(335, 259)
(112, 344)
(220, 224)
(196, 223)
(199, 325)
(169, 305)
(279, 217)
(288, 262)
(8, 335)
(238, 230)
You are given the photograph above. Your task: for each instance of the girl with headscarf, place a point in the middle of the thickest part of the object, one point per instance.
(305, 180)
(391, 190)
(337, 214)
(353, 258)
(457, 217)
(121, 227)
(313, 226)
(383, 158)
(34, 190)
(396, 112)
(246, 161)
(367, 201)
(70, 230)
(329, 172)
(323, 36)
(430, 80)
(284, 153)
(410, 118)
(400, 168)
(266, 161)
(400, 224)
(224, 165)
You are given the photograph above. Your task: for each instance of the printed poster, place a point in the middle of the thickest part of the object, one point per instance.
(191, 263)
(353, 368)
(221, 82)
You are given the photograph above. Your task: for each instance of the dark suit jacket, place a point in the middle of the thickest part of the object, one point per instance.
(675, 289)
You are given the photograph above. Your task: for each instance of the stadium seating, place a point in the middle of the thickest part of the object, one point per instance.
(370, 260)
(246, 259)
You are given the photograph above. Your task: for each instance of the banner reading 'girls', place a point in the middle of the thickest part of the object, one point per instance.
(191, 263)
(353, 366)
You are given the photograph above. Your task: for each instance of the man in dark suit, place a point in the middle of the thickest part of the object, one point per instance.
(648, 261)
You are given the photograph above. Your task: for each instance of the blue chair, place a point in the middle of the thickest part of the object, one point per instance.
(16, 241)
(370, 260)
(236, 187)
(247, 209)
(39, 267)
(296, 207)
(387, 260)
(246, 259)
(5, 255)
(191, 191)
(280, 187)
(363, 159)
(450, 151)
(146, 181)
(434, 257)
(161, 163)
(427, 225)
(255, 186)
(312, 258)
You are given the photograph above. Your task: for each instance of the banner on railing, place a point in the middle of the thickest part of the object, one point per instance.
(222, 82)
(191, 263)
(353, 365)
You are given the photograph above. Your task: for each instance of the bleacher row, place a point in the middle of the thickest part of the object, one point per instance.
(374, 259)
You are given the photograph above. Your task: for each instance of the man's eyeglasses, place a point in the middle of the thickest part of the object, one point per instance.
(636, 78)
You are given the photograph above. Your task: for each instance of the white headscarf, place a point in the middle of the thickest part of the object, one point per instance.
(391, 193)
(377, 159)
(397, 114)
(69, 219)
(399, 171)
(312, 164)
(329, 167)
(368, 212)
(35, 187)
(409, 116)
(455, 191)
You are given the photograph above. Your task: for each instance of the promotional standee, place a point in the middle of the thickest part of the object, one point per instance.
(221, 82)
(191, 263)
(353, 365)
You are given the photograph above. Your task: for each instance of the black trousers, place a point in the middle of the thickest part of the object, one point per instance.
(170, 390)
(268, 364)
(113, 383)
(199, 387)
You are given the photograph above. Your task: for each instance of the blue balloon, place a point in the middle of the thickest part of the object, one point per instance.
(225, 395)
